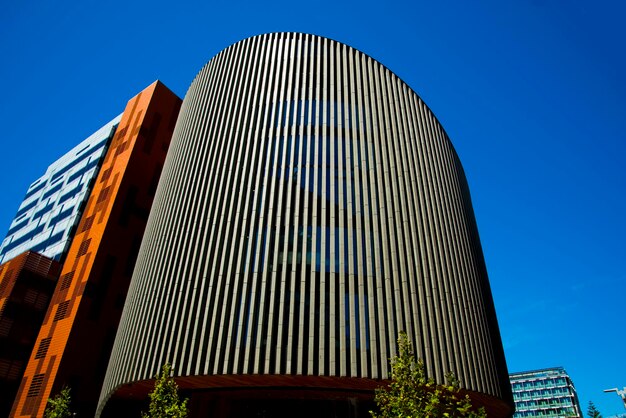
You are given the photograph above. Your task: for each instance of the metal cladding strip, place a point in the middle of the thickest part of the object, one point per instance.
(234, 179)
(310, 208)
(447, 225)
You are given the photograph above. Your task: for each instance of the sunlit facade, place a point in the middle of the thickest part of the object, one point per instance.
(74, 340)
(311, 207)
(53, 203)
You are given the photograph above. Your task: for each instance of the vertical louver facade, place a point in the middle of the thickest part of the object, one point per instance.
(311, 207)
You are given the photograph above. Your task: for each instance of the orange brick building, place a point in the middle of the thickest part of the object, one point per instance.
(26, 285)
(75, 340)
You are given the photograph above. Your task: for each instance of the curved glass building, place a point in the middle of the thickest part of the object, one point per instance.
(311, 207)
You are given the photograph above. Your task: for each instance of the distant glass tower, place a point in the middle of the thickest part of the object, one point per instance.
(52, 205)
(545, 393)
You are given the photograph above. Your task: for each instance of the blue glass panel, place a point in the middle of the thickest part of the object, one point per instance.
(43, 211)
(18, 241)
(71, 193)
(48, 242)
(34, 190)
(26, 209)
(17, 228)
(51, 191)
(62, 215)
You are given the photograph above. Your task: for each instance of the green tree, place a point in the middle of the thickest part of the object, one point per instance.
(59, 406)
(164, 400)
(592, 411)
(411, 394)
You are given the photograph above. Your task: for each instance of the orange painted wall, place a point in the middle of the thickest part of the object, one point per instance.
(9, 273)
(82, 318)
(26, 286)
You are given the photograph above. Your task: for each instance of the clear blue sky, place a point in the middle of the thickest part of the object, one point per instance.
(531, 92)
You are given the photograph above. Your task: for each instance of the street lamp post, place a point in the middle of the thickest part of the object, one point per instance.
(621, 393)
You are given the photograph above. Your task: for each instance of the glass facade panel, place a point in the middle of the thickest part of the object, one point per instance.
(544, 393)
(52, 204)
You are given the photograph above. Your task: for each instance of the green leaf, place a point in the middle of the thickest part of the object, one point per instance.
(164, 400)
(59, 406)
(412, 394)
